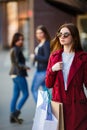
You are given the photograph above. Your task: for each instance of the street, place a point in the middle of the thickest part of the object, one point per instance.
(6, 94)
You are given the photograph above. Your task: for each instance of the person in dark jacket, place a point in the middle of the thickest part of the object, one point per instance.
(41, 57)
(18, 73)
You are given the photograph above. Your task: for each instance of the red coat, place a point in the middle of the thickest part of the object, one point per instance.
(74, 99)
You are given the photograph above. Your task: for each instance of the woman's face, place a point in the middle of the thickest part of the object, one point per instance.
(65, 36)
(40, 35)
(20, 42)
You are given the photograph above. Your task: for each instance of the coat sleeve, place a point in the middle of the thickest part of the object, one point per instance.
(50, 75)
(85, 75)
(45, 57)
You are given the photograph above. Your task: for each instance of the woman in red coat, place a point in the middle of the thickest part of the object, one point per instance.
(67, 74)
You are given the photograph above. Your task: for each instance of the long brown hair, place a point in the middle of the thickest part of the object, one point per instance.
(16, 38)
(75, 35)
(44, 29)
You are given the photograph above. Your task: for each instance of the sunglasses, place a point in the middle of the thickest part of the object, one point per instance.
(65, 35)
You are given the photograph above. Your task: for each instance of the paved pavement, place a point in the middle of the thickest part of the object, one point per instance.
(5, 98)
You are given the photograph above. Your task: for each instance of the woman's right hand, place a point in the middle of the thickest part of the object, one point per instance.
(58, 66)
(28, 68)
(32, 56)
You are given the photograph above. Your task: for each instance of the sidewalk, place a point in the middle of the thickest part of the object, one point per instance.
(5, 98)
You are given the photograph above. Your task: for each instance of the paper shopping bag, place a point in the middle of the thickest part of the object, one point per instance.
(57, 109)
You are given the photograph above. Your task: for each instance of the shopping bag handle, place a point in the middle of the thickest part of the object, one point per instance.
(49, 96)
(49, 112)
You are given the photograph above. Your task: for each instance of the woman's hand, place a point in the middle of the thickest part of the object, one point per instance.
(32, 56)
(58, 66)
(28, 68)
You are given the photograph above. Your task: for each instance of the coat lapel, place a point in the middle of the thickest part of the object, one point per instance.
(60, 73)
(76, 64)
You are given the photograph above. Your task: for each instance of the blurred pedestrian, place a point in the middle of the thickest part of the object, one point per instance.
(41, 56)
(66, 74)
(18, 74)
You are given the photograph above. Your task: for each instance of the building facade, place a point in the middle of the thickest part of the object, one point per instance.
(26, 15)
(15, 16)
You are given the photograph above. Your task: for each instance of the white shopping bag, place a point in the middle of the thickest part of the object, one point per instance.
(41, 110)
(40, 121)
(42, 98)
(51, 124)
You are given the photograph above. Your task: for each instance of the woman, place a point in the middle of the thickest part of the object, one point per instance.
(41, 56)
(18, 74)
(66, 74)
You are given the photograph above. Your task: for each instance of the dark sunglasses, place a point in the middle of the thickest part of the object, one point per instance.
(65, 35)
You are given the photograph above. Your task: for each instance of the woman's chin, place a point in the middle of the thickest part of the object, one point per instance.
(63, 44)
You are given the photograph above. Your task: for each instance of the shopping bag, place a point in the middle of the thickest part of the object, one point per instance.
(44, 119)
(57, 110)
(51, 123)
(43, 99)
(41, 110)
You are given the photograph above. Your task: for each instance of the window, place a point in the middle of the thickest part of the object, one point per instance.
(82, 25)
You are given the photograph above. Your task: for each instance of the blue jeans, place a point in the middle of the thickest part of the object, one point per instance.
(38, 80)
(20, 85)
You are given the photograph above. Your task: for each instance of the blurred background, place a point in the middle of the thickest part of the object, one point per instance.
(25, 16)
